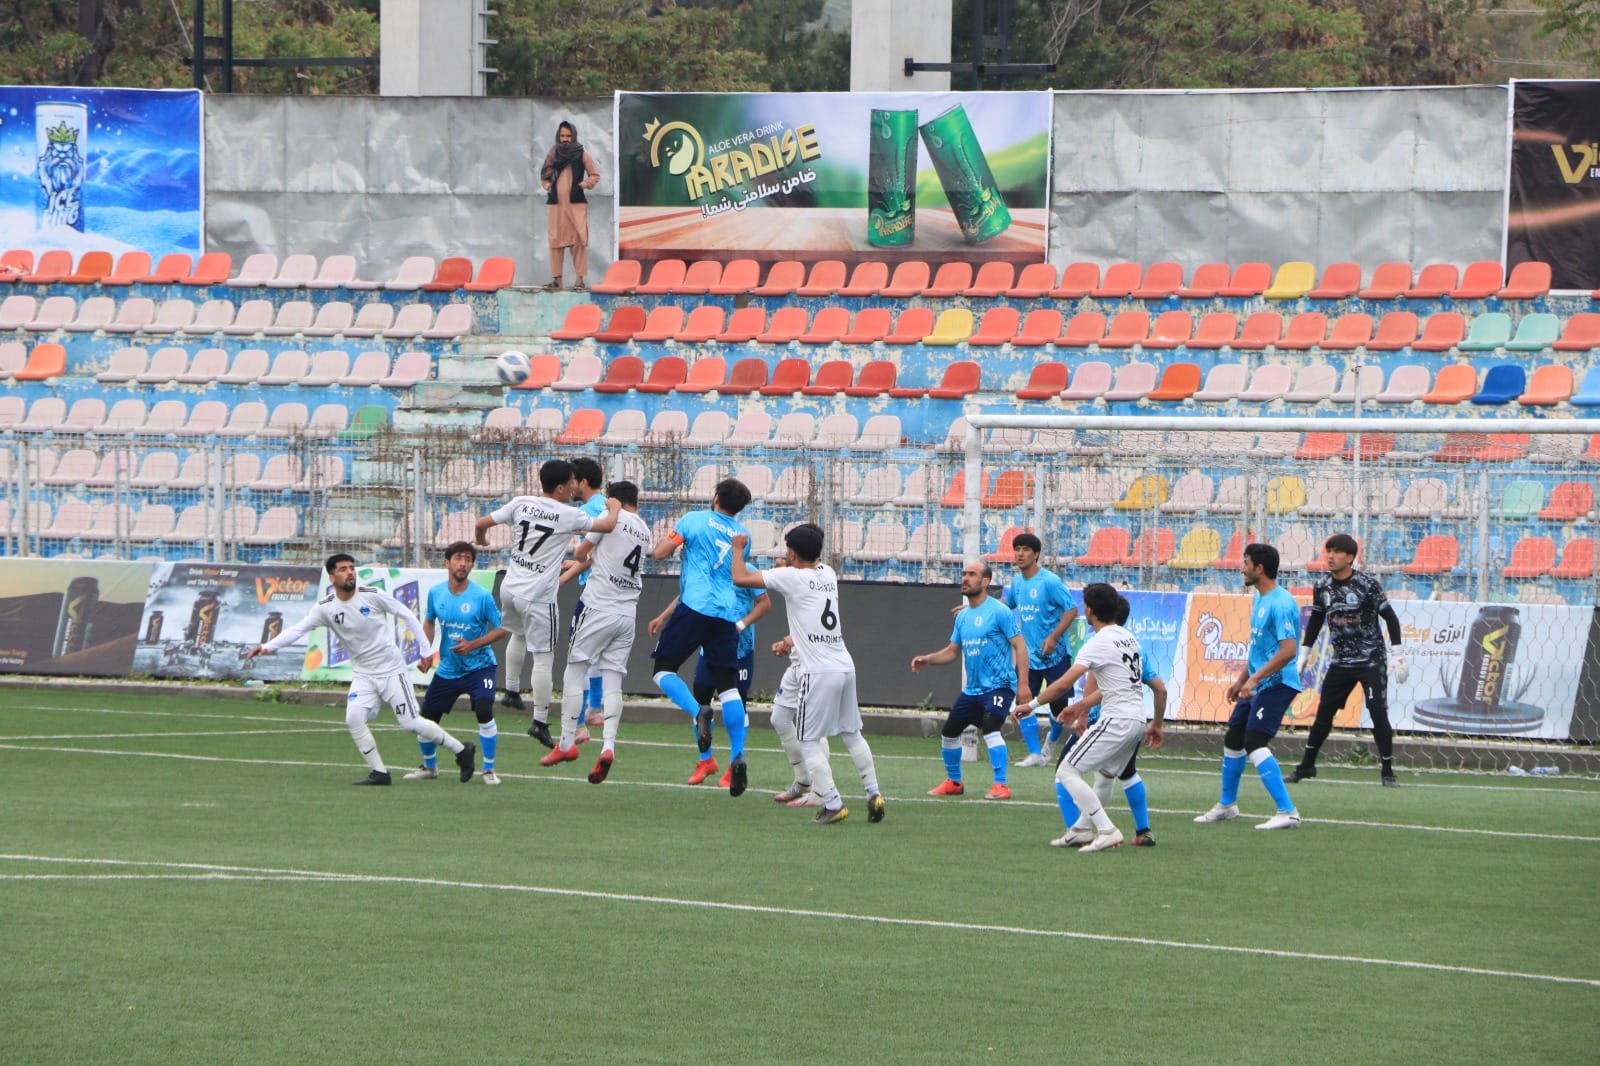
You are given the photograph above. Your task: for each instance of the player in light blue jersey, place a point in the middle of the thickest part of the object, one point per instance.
(989, 642)
(1044, 609)
(708, 618)
(592, 502)
(1262, 692)
(469, 622)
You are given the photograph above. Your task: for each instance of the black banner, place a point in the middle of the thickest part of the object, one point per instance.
(1553, 215)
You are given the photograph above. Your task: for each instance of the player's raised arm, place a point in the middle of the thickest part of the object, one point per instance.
(480, 530)
(743, 576)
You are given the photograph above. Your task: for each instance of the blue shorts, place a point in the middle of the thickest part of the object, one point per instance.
(443, 692)
(688, 630)
(1263, 712)
(1038, 679)
(747, 670)
(977, 710)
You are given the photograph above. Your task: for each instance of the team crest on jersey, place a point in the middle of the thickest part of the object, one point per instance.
(466, 608)
(366, 610)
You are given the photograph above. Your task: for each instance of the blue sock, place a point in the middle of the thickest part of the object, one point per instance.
(675, 689)
(997, 758)
(1232, 771)
(597, 697)
(488, 737)
(1069, 809)
(1029, 728)
(734, 721)
(583, 713)
(430, 753)
(1272, 780)
(1055, 730)
(952, 760)
(1133, 792)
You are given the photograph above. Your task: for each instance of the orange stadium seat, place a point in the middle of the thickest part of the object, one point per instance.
(1208, 279)
(1077, 281)
(543, 370)
(621, 277)
(744, 325)
(1041, 327)
(497, 272)
(1153, 547)
(622, 374)
(911, 327)
(662, 323)
(49, 268)
(666, 374)
(830, 325)
(704, 324)
(211, 268)
(1217, 329)
(1349, 332)
(1084, 329)
(1581, 333)
(1160, 281)
(993, 279)
(1306, 330)
(1435, 280)
(738, 276)
(625, 321)
(454, 271)
(1108, 546)
(1569, 501)
(998, 326)
(832, 378)
(1263, 329)
(1442, 331)
(746, 377)
(1119, 280)
(1531, 556)
(1171, 329)
(870, 324)
(1578, 559)
(951, 279)
(131, 266)
(1396, 330)
(1247, 279)
(826, 279)
(1437, 553)
(783, 278)
(788, 378)
(909, 279)
(584, 427)
(705, 375)
(92, 267)
(44, 362)
(1339, 281)
(1034, 281)
(1529, 280)
(785, 325)
(1389, 281)
(876, 379)
(1010, 488)
(665, 274)
(1045, 381)
(1480, 280)
(702, 276)
(1127, 329)
(1549, 386)
(1179, 381)
(867, 279)
(961, 379)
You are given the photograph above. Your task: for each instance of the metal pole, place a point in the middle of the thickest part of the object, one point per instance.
(1355, 464)
(199, 44)
(1483, 536)
(417, 508)
(227, 46)
(971, 512)
(217, 501)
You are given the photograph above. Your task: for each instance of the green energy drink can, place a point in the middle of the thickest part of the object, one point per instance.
(892, 178)
(964, 172)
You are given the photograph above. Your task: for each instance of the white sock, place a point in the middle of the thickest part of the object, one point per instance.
(1084, 796)
(783, 725)
(574, 684)
(816, 758)
(516, 649)
(861, 755)
(1103, 787)
(544, 665)
(368, 747)
(432, 731)
(612, 700)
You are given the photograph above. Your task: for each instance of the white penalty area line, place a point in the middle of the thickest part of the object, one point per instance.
(214, 872)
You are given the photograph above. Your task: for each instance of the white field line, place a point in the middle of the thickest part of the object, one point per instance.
(208, 871)
(679, 786)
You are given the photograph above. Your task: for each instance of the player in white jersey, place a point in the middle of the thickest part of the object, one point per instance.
(826, 701)
(603, 627)
(539, 540)
(1112, 655)
(355, 614)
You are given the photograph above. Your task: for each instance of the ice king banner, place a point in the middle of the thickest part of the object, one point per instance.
(809, 176)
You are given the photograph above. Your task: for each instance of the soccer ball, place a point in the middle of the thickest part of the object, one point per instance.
(513, 368)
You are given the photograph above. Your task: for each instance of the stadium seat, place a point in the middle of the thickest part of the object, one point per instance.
(333, 318)
(997, 327)
(1408, 382)
(626, 428)
(51, 267)
(739, 276)
(1396, 330)
(326, 368)
(1200, 548)
(1247, 279)
(1119, 281)
(706, 374)
(1503, 447)
(584, 426)
(1045, 382)
(953, 326)
(1034, 281)
(1127, 329)
(1581, 333)
(1179, 381)
(993, 279)
(1535, 333)
(1262, 330)
(620, 278)
(745, 377)
(1144, 493)
(833, 377)
(1367, 380)
(666, 373)
(338, 271)
(951, 279)
(794, 429)
(1550, 385)
(1502, 384)
(783, 278)
(1522, 499)
(704, 324)
(131, 266)
(93, 266)
(789, 377)
(665, 275)
(1083, 330)
(961, 379)
(752, 430)
(257, 269)
(292, 317)
(582, 372)
(827, 277)
(1268, 382)
(1578, 559)
(1326, 495)
(623, 374)
(455, 320)
(955, 493)
(1569, 501)
(868, 278)
(1108, 546)
(15, 264)
(212, 268)
(373, 318)
(909, 279)
(295, 272)
(1339, 281)
(53, 314)
(1305, 331)
(1077, 281)
(17, 310)
(415, 271)
(1442, 331)
(1293, 280)
(1208, 279)
(828, 327)
(1010, 488)
(1456, 383)
(494, 273)
(1171, 329)
(1217, 329)
(661, 324)
(1090, 381)
(879, 432)
(875, 379)
(45, 361)
(1588, 394)
(1160, 281)
(288, 368)
(1435, 280)
(1286, 494)
(786, 325)
(1039, 328)
(1223, 382)
(1313, 384)
(1529, 280)
(625, 321)
(125, 364)
(1390, 281)
(96, 312)
(1192, 492)
(1480, 280)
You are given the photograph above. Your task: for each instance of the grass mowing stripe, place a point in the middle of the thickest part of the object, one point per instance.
(208, 871)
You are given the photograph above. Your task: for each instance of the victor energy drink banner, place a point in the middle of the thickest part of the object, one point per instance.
(931, 176)
(70, 617)
(201, 618)
(1553, 195)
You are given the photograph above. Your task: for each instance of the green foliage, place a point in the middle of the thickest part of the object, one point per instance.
(1575, 27)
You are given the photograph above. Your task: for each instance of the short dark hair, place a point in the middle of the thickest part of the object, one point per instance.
(1342, 542)
(626, 491)
(1101, 599)
(553, 473)
(461, 547)
(1264, 556)
(336, 558)
(731, 495)
(1124, 609)
(1027, 540)
(589, 472)
(805, 540)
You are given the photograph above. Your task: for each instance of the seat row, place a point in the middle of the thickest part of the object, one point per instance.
(80, 520)
(712, 374)
(164, 470)
(831, 277)
(214, 366)
(262, 269)
(140, 314)
(1263, 330)
(252, 418)
(710, 429)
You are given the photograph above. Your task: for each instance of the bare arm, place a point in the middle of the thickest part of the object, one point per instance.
(946, 654)
(1288, 647)
(1048, 645)
(1019, 658)
(480, 530)
(743, 576)
(607, 522)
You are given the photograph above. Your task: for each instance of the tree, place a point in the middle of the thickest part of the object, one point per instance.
(1422, 42)
(1575, 26)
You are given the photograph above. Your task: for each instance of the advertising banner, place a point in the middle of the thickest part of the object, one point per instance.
(1553, 206)
(1213, 646)
(201, 618)
(1156, 618)
(70, 617)
(809, 176)
(108, 169)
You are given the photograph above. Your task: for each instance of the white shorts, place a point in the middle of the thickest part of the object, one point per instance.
(788, 694)
(534, 622)
(1107, 745)
(602, 640)
(827, 705)
(371, 693)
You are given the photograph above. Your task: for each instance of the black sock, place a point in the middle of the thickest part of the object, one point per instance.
(1388, 767)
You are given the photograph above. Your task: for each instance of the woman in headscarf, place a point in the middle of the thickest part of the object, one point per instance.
(568, 170)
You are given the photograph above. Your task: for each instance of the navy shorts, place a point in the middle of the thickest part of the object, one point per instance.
(443, 692)
(1263, 712)
(976, 710)
(688, 630)
(747, 670)
(1038, 679)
